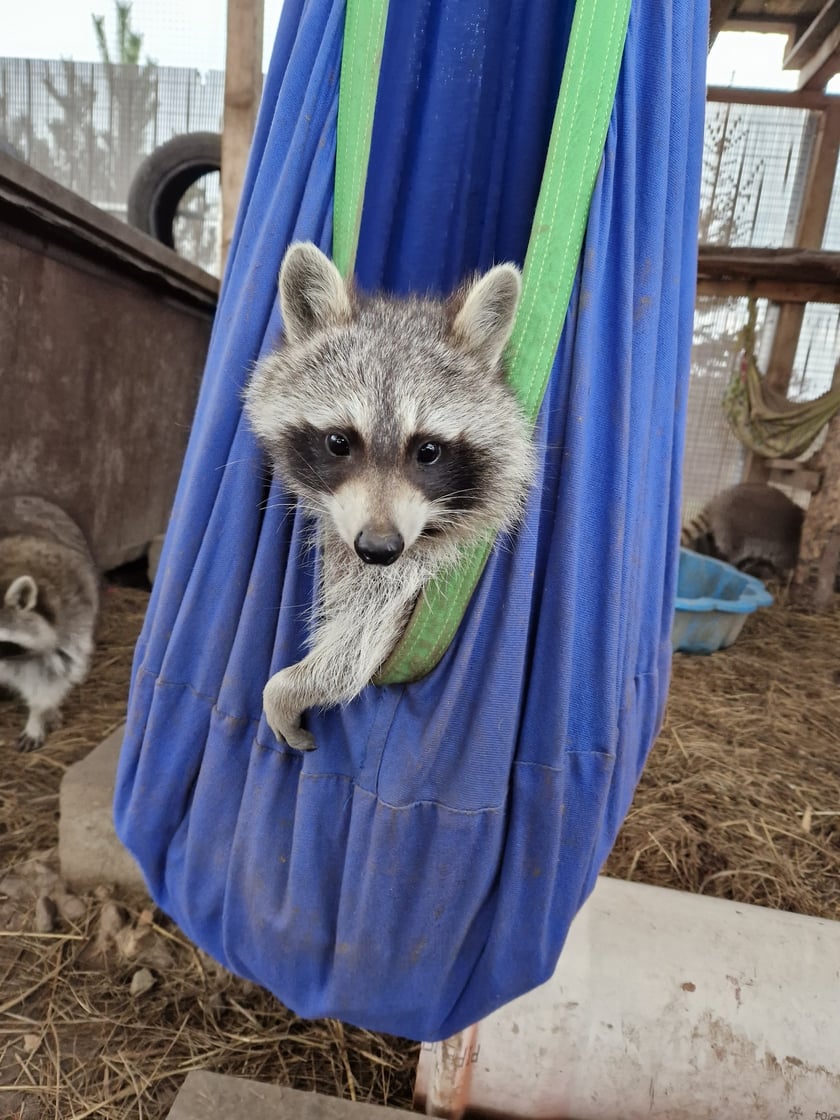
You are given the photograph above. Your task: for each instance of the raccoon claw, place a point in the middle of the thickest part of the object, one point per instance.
(27, 743)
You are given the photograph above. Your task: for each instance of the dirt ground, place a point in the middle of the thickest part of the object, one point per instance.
(104, 1006)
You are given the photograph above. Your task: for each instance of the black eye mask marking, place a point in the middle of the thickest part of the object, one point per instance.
(316, 460)
(457, 473)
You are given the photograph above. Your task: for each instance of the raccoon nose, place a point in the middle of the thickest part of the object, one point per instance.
(379, 548)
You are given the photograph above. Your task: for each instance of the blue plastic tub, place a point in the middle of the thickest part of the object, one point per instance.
(713, 601)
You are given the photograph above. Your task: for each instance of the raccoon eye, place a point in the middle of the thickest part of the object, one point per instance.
(428, 453)
(337, 443)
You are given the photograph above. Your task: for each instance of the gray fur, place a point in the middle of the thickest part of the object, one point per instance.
(399, 378)
(752, 526)
(49, 597)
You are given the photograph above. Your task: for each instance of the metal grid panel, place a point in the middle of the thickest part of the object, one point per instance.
(714, 459)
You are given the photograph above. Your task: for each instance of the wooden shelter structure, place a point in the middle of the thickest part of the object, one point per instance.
(793, 276)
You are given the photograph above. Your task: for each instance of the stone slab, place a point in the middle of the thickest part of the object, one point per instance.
(88, 848)
(215, 1096)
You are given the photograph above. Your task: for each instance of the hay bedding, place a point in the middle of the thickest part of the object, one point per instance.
(74, 1041)
(104, 1006)
(741, 795)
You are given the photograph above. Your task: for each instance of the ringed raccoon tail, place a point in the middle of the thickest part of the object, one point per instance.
(752, 526)
(697, 535)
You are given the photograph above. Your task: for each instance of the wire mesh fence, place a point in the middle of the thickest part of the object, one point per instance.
(756, 162)
(714, 459)
(755, 169)
(89, 126)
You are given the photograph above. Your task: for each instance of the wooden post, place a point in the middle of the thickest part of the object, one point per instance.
(812, 222)
(719, 13)
(814, 216)
(243, 86)
(819, 551)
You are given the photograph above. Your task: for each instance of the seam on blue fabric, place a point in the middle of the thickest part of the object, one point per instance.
(420, 803)
(386, 736)
(212, 700)
(543, 766)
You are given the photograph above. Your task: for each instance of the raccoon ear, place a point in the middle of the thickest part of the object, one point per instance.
(22, 593)
(313, 294)
(484, 320)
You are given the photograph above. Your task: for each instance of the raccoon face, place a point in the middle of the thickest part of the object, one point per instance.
(382, 493)
(391, 418)
(26, 623)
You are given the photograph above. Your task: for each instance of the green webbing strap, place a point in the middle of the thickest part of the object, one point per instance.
(584, 105)
(364, 32)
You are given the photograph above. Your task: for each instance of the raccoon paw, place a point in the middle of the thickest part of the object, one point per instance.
(52, 719)
(283, 722)
(298, 738)
(27, 743)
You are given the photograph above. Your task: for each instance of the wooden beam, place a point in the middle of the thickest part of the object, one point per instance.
(811, 230)
(812, 38)
(791, 99)
(243, 86)
(719, 13)
(767, 25)
(817, 200)
(819, 551)
(820, 69)
(774, 290)
(789, 266)
(794, 474)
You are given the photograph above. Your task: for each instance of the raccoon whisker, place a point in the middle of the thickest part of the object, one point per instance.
(287, 501)
(237, 462)
(464, 493)
(452, 515)
(311, 468)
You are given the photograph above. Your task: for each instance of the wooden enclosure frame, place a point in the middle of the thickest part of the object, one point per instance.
(790, 278)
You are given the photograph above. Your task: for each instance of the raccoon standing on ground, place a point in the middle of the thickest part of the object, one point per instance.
(392, 422)
(754, 527)
(49, 595)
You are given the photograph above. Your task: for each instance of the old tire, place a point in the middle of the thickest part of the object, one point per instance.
(163, 178)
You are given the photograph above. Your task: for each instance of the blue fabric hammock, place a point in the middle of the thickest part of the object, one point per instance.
(422, 867)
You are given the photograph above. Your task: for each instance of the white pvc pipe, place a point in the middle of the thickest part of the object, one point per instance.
(664, 1005)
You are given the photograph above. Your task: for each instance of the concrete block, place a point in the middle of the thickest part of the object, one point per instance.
(215, 1096)
(88, 848)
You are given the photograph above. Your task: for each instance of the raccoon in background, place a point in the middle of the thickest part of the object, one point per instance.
(49, 596)
(754, 527)
(392, 423)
